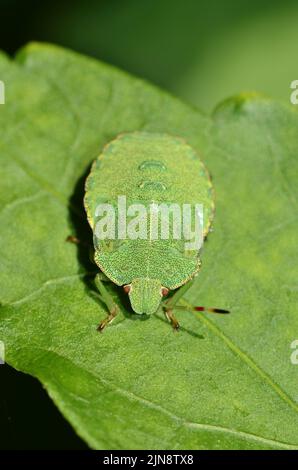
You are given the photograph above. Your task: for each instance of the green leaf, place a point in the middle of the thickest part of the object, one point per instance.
(221, 383)
(232, 56)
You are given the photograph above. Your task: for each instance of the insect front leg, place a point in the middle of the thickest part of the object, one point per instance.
(172, 319)
(107, 299)
(169, 304)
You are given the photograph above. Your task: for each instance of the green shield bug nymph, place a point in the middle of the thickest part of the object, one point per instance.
(147, 197)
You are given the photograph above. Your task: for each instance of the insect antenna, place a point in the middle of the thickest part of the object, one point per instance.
(211, 310)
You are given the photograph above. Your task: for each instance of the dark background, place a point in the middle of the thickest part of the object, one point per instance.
(200, 50)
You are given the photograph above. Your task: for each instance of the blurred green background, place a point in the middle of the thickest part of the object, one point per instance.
(200, 50)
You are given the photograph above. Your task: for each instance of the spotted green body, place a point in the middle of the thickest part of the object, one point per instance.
(148, 167)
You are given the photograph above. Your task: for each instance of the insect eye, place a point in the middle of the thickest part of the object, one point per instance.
(127, 288)
(164, 291)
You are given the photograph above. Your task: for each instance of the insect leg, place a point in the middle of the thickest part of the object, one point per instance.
(170, 316)
(102, 277)
(170, 303)
(77, 241)
(73, 239)
(108, 300)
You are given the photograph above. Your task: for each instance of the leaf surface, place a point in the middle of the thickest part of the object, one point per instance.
(221, 383)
